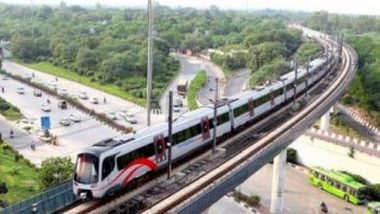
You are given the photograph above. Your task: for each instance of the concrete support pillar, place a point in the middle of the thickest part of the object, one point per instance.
(325, 121)
(278, 184)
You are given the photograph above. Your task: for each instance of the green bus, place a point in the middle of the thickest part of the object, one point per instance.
(339, 184)
(373, 208)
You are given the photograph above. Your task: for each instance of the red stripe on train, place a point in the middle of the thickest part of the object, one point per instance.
(139, 161)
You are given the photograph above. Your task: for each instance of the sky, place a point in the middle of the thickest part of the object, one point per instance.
(371, 7)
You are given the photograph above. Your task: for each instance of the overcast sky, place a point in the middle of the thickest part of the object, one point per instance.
(338, 6)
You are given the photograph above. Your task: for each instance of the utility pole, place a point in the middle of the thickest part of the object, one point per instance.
(150, 60)
(31, 18)
(307, 77)
(295, 82)
(215, 113)
(170, 135)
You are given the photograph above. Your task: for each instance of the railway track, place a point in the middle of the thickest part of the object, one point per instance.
(138, 199)
(256, 149)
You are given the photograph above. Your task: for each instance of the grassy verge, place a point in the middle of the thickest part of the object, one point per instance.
(20, 177)
(85, 80)
(9, 111)
(195, 85)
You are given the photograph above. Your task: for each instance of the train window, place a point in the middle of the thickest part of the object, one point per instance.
(241, 110)
(180, 137)
(289, 87)
(196, 130)
(148, 150)
(279, 92)
(187, 133)
(125, 159)
(223, 118)
(107, 167)
(262, 100)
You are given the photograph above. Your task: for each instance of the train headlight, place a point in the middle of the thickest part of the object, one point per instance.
(83, 195)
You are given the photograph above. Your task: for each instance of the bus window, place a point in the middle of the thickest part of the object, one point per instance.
(323, 178)
(337, 185)
(344, 188)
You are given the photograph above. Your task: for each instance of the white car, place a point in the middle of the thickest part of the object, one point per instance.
(83, 95)
(75, 118)
(45, 107)
(122, 113)
(63, 92)
(111, 115)
(20, 90)
(130, 118)
(94, 100)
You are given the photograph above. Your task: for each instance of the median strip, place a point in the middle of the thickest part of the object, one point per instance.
(99, 116)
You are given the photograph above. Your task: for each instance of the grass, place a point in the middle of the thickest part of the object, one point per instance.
(85, 80)
(9, 111)
(196, 84)
(20, 177)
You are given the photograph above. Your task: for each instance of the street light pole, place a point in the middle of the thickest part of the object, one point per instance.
(150, 60)
(215, 113)
(170, 136)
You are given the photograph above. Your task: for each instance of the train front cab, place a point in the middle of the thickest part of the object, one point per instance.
(86, 175)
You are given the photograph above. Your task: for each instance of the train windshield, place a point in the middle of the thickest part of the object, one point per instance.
(86, 169)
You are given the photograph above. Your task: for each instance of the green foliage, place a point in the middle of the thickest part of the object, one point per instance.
(9, 111)
(15, 175)
(3, 187)
(269, 71)
(253, 200)
(195, 85)
(55, 170)
(374, 192)
(308, 50)
(291, 155)
(363, 34)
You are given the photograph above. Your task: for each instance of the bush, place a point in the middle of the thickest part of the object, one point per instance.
(3, 203)
(195, 85)
(291, 155)
(15, 170)
(374, 192)
(3, 187)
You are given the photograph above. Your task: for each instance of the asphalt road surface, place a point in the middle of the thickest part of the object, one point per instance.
(113, 103)
(71, 139)
(235, 84)
(189, 68)
(299, 197)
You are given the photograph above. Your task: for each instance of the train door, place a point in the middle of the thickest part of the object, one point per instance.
(231, 114)
(205, 128)
(271, 96)
(251, 107)
(160, 148)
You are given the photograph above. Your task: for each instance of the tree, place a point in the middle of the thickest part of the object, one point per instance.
(264, 53)
(55, 170)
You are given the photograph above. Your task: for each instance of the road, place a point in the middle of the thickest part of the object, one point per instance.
(113, 103)
(299, 197)
(361, 129)
(236, 83)
(189, 68)
(71, 139)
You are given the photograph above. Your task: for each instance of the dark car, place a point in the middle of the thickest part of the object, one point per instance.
(62, 104)
(37, 93)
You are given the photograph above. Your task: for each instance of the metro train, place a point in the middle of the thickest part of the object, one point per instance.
(108, 166)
